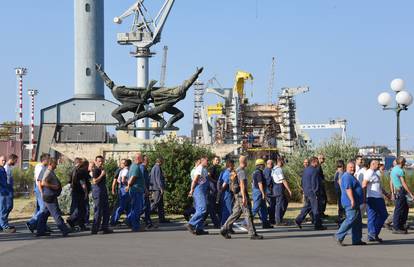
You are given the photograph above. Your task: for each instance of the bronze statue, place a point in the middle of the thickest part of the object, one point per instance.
(135, 99)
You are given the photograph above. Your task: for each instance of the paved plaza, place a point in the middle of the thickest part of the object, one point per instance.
(170, 245)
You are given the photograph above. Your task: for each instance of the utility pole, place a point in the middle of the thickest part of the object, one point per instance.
(20, 72)
(271, 82)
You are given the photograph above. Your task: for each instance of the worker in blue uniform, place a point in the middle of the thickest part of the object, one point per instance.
(311, 184)
(100, 199)
(271, 199)
(226, 195)
(259, 194)
(280, 190)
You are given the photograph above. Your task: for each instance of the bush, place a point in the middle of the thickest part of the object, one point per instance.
(179, 158)
(23, 179)
(110, 167)
(64, 171)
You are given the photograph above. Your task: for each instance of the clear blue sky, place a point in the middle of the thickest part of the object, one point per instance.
(346, 51)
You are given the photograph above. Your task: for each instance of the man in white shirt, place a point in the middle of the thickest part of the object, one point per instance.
(280, 187)
(358, 164)
(376, 209)
(199, 189)
(38, 176)
(360, 174)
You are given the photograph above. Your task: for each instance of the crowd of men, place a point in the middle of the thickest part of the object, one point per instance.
(221, 194)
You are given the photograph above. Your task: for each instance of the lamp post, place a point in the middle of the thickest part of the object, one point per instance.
(403, 100)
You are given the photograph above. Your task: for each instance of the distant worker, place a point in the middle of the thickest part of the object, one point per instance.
(311, 188)
(340, 169)
(100, 199)
(39, 171)
(147, 195)
(199, 188)
(376, 209)
(6, 192)
(212, 204)
(401, 191)
(242, 204)
(322, 198)
(271, 199)
(226, 201)
(259, 194)
(280, 189)
(352, 197)
(136, 189)
(51, 189)
(124, 201)
(158, 189)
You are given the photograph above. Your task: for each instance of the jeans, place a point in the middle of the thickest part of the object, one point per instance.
(39, 207)
(259, 206)
(200, 203)
(124, 202)
(311, 205)
(226, 206)
(352, 221)
(137, 204)
(147, 210)
(212, 208)
(341, 210)
(54, 210)
(6, 206)
(400, 211)
(377, 214)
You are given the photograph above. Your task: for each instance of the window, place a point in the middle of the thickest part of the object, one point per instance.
(88, 8)
(88, 72)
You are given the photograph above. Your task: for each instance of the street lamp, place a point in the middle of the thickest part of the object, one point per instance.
(403, 99)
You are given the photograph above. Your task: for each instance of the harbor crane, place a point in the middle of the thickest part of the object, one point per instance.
(144, 33)
(333, 124)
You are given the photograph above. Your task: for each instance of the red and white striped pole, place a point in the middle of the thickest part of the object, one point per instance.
(32, 93)
(20, 72)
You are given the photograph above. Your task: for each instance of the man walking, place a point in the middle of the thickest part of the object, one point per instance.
(199, 190)
(123, 196)
(213, 209)
(226, 201)
(158, 188)
(6, 193)
(136, 189)
(271, 199)
(280, 188)
(100, 199)
(311, 188)
(401, 192)
(352, 197)
(259, 194)
(340, 169)
(376, 209)
(40, 169)
(147, 200)
(242, 204)
(322, 198)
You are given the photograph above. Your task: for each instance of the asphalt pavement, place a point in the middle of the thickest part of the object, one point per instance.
(171, 245)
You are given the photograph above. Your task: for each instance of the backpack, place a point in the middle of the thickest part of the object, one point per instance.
(234, 183)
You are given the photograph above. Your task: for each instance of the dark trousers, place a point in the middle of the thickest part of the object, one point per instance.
(52, 209)
(400, 211)
(77, 217)
(311, 205)
(271, 209)
(212, 209)
(147, 210)
(341, 210)
(280, 208)
(158, 204)
(101, 209)
(323, 199)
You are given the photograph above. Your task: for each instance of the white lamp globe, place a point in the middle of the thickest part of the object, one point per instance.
(404, 98)
(397, 85)
(384, 99)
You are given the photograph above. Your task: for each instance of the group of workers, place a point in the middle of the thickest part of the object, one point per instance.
(222, 194)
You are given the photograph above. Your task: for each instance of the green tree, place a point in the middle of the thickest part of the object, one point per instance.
(179, 158)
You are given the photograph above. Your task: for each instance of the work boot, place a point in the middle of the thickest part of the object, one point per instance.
(298, 224)
(256, 237)
(201, 232)
(107, 231)
(267, 226)
(9, 230)
(360, 243)
(399, 232)
(190, 228)
(42, 234)
(30, 227)
(225, 234)
(338, 241)
(320, 228)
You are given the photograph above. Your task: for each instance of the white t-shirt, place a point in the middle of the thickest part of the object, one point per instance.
(122, 173)
(374, 184)
(202, 172)
(360, 174)
(277, 175)
(39, 172)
